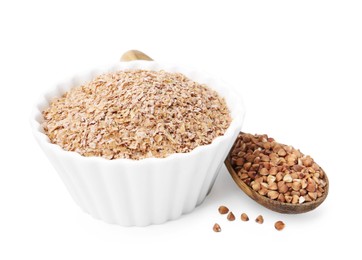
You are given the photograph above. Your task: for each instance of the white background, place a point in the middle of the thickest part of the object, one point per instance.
(297, 65)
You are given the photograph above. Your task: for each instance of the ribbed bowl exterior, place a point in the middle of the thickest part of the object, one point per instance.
(141, 192)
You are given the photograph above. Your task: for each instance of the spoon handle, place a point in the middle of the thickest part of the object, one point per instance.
(135, 55)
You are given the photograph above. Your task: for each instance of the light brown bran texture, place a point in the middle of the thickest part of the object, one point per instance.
(136, 114)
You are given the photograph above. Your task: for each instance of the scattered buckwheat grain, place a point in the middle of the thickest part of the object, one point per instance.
(216, 228)
(230, 216)
(223, 210)
(279, 225)
(244, 217)
(259, 219)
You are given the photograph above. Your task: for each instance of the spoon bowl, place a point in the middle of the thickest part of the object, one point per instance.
(281, 207)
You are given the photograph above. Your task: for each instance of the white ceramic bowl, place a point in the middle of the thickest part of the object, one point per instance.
(141, 192)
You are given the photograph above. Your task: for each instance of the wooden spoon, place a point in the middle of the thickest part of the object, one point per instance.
(287, 208)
